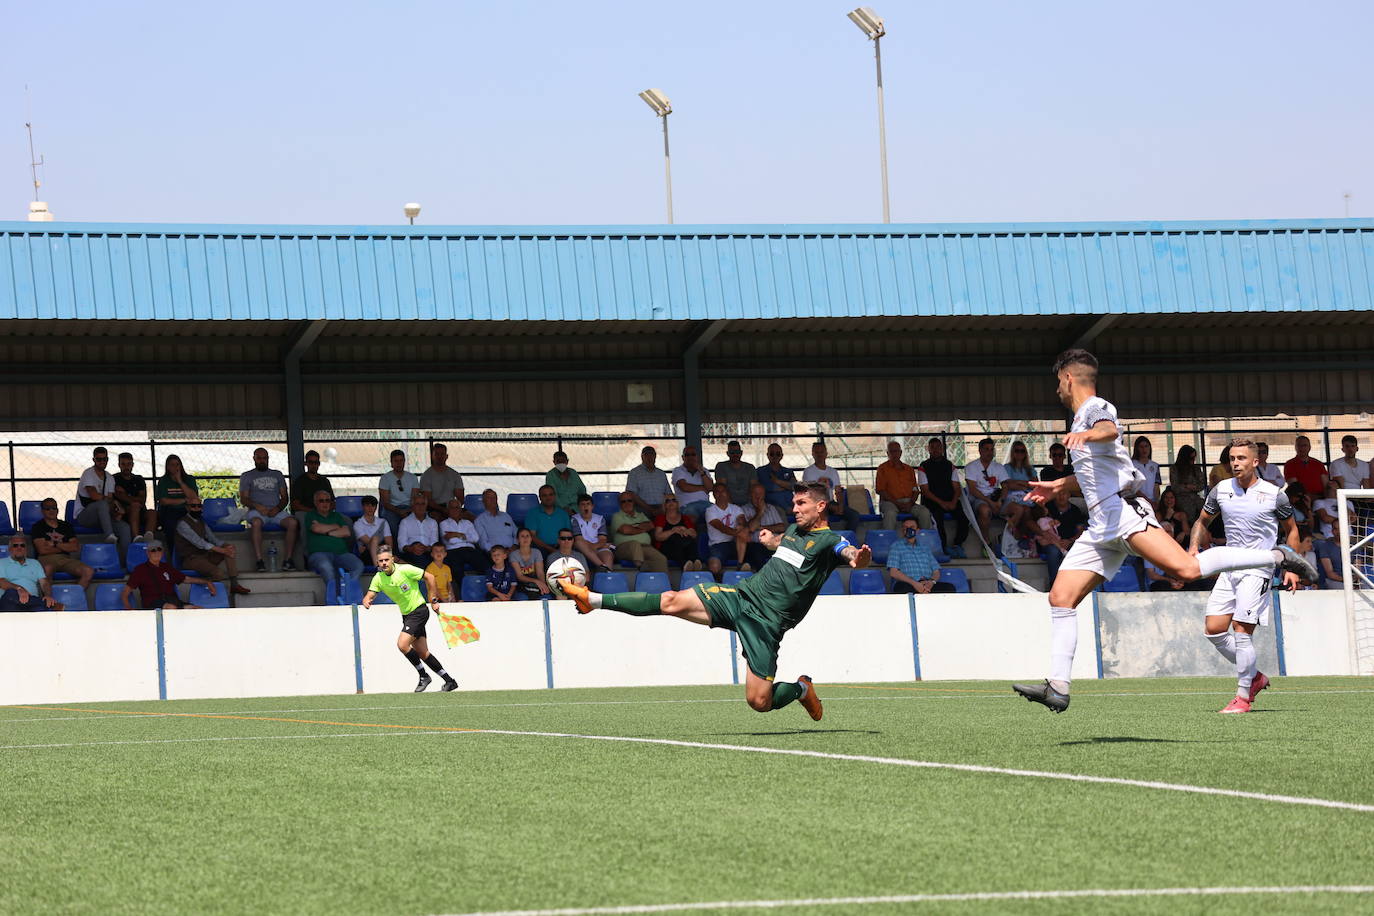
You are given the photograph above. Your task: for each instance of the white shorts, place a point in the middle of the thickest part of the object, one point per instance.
(1103, 548)
(1244, 596)
(280, 517)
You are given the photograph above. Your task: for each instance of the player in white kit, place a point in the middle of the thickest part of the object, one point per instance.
(1119, 524)
(1253, 511)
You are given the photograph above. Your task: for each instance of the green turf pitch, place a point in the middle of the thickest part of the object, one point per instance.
(382, 804)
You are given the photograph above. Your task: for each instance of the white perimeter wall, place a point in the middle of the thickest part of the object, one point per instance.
(74, 657)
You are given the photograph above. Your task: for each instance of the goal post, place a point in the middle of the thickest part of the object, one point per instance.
(1355, 518)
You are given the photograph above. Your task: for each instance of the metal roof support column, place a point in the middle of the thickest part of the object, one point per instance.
(691, 381)
(302, 340)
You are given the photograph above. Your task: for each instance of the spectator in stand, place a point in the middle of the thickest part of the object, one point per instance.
(528, 564)
(675, 535)
(940, 494)
(565, 549)
(984, 477)
(417, 534)
(304, 488)
(912, 567)
(371, 532)
(1304, 469)
(202, 551)
(632, 532)
(648, 484)
(566, 483)
(1326, 514)
(170, 493)
(329, 541)
(1306, 547)
(156, 582)
(1188, 482)
(726, 533)
(737, 475)
(897, 485)
(839, 508)
(777, 480)
(442, 572)
(1020, 474)
(692, 484)
(1142, 456)
(263, 493)
(590, 536)
(440, 483)
(1349, 472)
(1222, 471)
(395, 489)
(1057, 468)
(1326, 556)
(131, 493)
(1301, 503)
(494, 526)
(1170, 517)
(1156, 580)
(1071, 522)
(1266, 471)
(502, 583)
(760, 514)
(95, 493)
(57, 547)
(23, 582)
(546, 520)
(462, 540)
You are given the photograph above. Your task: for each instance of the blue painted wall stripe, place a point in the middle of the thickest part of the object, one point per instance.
(1097, 635)
(161, 659)
(357, 651)
(1278, 632)
(548, 645)
(915, 637)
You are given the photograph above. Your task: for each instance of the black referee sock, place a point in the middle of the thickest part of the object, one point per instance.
(413, 656)
(433, 662)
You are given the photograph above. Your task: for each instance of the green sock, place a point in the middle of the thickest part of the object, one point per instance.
(636, 604)
(785, 692)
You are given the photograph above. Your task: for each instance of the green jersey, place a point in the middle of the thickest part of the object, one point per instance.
(401, 585)
(788, 583)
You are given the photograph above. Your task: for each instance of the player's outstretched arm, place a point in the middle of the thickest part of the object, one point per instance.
(769, 539)
(1101, 431)
(1204, 518)
(368, 598)
(1289, 529)
(1042, 491)
(858, 557)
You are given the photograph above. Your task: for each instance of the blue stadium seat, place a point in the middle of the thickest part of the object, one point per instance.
(216, 509)
(351, 506)
(653, 582)
(73, 596)
(6, 526)
(605, 503)
(1125, 580)
(867, 513)
(4, 550)
(200, 595)
(833, 585)
(734, 577)
(517, 504)
(471, 502)
(474, 588)
(30, 511)
(73, 510)
(104, 559)
(867, 582)
(610, 583)
(955, 577)
(880, 541)
(696, 577)
(344, 590)
(1011, 568)
(844, 533)
(137, 555)
(109, 596)
(931, 539)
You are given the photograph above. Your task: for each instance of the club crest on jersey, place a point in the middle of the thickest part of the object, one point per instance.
(405, 586)
(810, 544)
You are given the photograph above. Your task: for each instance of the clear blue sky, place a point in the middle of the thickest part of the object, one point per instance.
(526, 113)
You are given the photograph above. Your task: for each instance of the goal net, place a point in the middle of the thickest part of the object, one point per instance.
(1355, 518)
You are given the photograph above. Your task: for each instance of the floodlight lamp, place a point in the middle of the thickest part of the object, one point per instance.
(656, 100)
(412, 210)
(869, 22)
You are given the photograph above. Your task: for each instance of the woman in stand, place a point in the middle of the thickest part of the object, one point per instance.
(1142, 457)
(675, 535)
(171, 491)
(528, 564)
(1020, 473)
(1188, 481)
(1170, 517)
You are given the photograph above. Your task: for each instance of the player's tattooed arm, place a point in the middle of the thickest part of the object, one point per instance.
(858, 557)
(1204, 519)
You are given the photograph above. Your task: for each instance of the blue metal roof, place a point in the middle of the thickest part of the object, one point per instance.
(103, 271)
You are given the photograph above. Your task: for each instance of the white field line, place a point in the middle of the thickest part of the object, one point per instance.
(933, 898)
(830, 698)
(787, 752)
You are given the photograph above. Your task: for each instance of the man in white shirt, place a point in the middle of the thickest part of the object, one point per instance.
(395, 489)
(494, 527)
(984, 478)
(1349, 472)
(759, 515)
(838, 507)
(1271, 473)
(95, 495)
(727, 533)
(417, 533)
(461, 538)
(692, 483)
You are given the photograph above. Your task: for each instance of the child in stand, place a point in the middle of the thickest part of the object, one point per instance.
(372, 531)
(501, 581)
(443, 575)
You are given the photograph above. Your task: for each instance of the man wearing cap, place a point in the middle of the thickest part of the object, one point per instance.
(156, 581)
(23, 581)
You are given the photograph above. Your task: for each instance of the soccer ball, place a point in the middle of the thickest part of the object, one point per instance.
(564, 567)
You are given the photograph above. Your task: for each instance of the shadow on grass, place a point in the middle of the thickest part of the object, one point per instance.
(1127, 739)
(798, 731)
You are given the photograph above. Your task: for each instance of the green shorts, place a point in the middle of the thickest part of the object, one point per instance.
(729, 609)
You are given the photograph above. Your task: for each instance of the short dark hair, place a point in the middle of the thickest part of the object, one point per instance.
(986, 440)
(584, 498)
(1345, 439)
(563, 531)
(397, 451)
(130, 455)
(1081, 363)
(819, 490)
(435, 446)
(369, 500)
(312, 454)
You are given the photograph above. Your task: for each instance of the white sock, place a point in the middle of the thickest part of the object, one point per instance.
(594, 599)
(1245, 664)
(1229, 559)
(1225, 643)
(1063, 643)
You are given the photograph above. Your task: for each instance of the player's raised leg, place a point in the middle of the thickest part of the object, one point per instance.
(1159, 547)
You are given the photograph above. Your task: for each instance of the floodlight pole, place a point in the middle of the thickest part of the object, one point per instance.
(882, 125)
(667, 166)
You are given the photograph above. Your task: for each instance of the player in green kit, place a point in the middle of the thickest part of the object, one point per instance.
(401, 583)
(762, 608)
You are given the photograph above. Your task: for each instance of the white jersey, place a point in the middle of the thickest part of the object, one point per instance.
(1251, 516)
(1103, 469)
